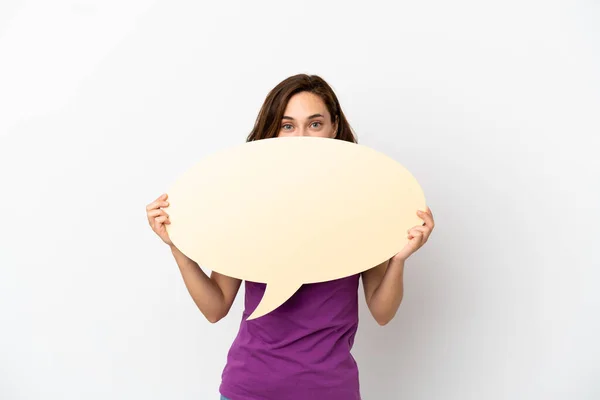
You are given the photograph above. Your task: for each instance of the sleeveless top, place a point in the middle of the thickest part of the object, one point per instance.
(299, 351)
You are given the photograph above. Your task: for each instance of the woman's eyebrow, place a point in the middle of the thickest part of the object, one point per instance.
(309, 117)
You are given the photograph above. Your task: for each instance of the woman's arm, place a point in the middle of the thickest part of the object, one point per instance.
(384, 289)
(213, 295)
(384, 284)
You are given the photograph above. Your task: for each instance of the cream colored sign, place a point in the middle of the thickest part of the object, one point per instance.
(294, 210)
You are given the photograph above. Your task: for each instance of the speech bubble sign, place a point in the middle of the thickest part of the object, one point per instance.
(293, 210)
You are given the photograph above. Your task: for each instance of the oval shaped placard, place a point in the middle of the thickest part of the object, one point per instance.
(293, 210)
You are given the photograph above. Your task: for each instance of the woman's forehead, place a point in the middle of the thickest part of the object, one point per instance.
(305, 105)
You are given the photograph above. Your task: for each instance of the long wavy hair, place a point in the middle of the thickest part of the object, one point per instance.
(268, 121)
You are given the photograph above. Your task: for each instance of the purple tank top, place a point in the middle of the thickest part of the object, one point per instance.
(299, 351)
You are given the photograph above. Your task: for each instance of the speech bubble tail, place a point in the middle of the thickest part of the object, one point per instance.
(275, 295)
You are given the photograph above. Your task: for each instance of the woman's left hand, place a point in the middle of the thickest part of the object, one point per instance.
(417, 236)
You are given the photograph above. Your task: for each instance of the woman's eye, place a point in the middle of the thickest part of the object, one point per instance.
(318, 123)
(284, 126)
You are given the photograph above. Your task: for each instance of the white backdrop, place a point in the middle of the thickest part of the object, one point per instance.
(494, 107)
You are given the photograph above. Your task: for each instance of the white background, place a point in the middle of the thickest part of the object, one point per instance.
(494, 106)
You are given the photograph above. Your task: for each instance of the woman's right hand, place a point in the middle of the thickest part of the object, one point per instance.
(158, 218)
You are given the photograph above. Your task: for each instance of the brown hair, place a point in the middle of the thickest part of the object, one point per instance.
(270, 115)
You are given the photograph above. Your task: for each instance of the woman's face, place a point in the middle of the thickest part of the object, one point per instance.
(306, 115)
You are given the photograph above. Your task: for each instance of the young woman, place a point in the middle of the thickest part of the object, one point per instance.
(301, 350)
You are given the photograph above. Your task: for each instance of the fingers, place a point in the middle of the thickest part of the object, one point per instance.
(420, 228)
(417, 235)
(159, 215)
(154, 211)
(159, 222)
(157, 212)
(163, 219)
(420, 232)
(161, 201)
(427, 217)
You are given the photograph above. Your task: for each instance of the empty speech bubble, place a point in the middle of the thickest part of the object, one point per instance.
(293, 210)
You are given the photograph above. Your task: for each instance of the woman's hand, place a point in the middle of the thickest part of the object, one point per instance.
(417, 236)
(157, 218)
